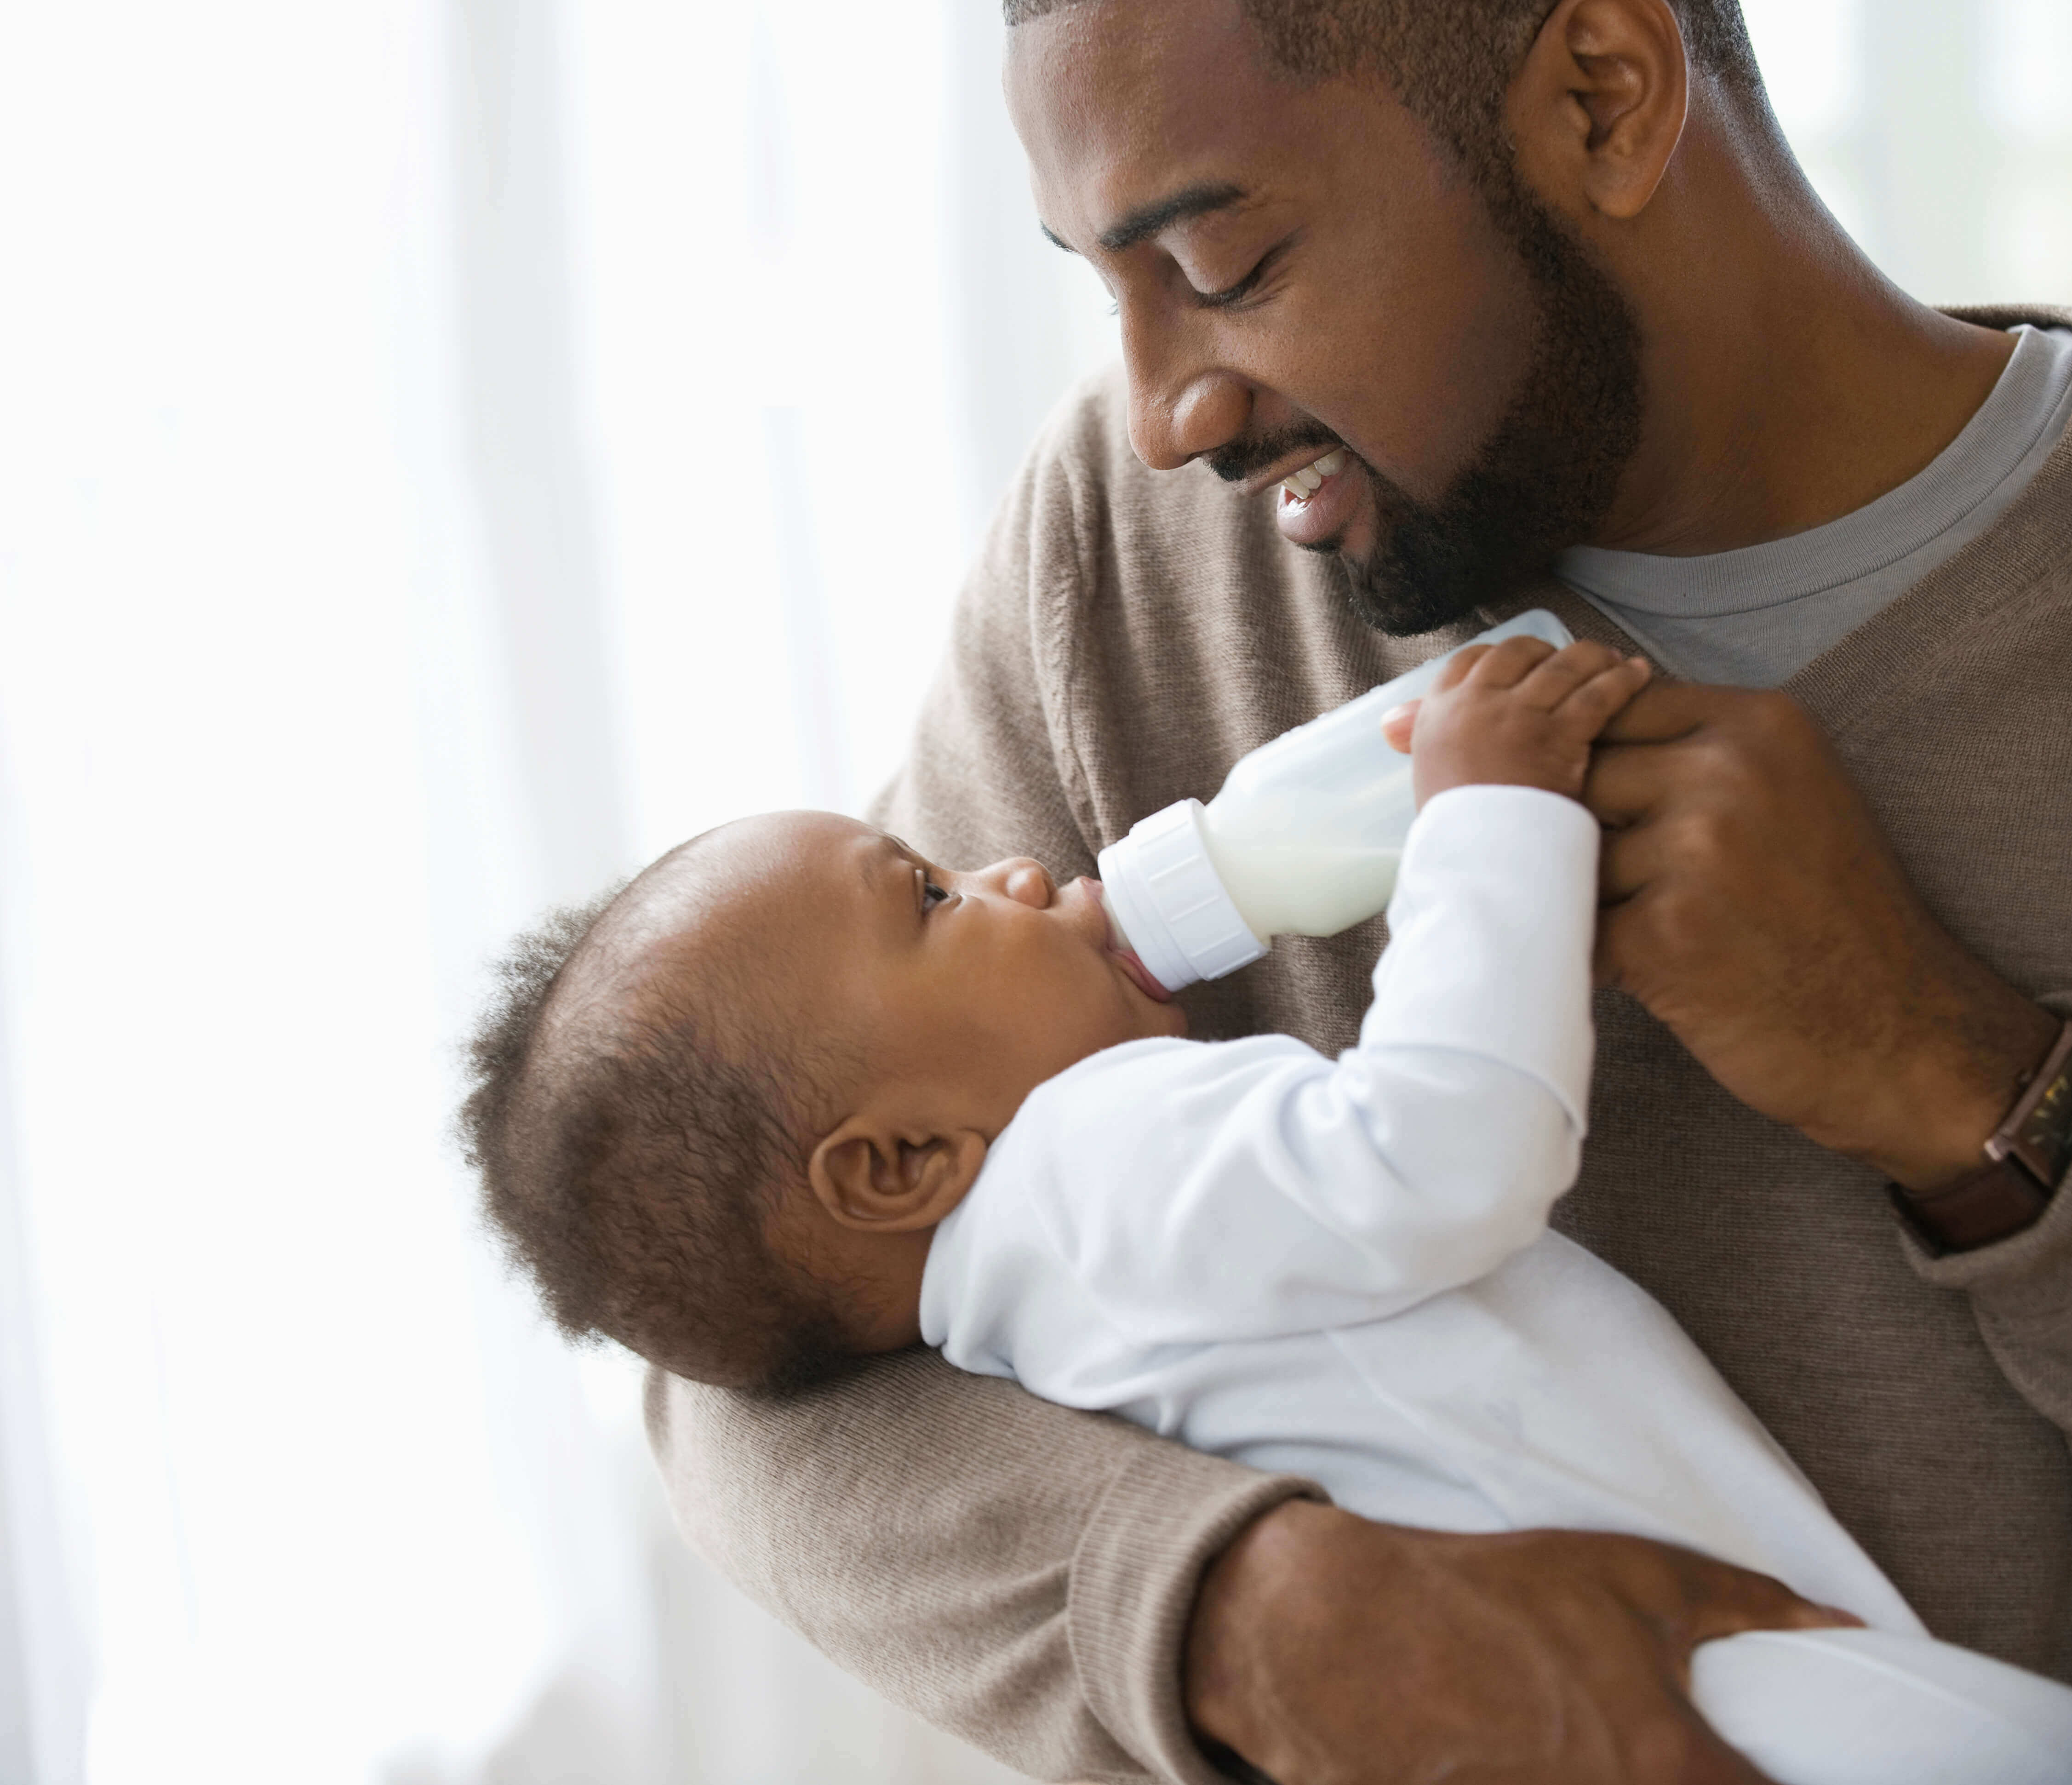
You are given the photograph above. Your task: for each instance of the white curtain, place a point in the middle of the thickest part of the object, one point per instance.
(451, 450)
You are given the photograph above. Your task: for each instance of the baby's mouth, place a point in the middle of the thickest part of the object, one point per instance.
(1119, 948)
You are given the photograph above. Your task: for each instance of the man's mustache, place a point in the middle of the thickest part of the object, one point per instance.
(1244, 459)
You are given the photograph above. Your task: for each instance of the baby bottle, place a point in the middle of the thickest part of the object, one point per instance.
(1303, 839)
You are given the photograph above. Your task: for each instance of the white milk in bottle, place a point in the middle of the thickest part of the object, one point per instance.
(1303, 839)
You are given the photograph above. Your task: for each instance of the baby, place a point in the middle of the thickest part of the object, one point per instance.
(797, 1095)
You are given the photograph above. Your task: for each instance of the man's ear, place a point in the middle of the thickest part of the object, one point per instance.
(877, 1176)
(1599, 107)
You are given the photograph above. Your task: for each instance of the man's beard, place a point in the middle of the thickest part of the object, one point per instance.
(1542, 480)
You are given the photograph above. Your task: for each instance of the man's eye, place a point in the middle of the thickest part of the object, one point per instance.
(1232, 295)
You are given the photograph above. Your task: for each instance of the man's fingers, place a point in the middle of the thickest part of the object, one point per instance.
(1758, 1603)
(1668, 1742)
(1630, 859)
(1627, 783)
(1667, 710)
(1724, 1601)
(1681, 1599)
(1654, 1735)
(1709, 1761)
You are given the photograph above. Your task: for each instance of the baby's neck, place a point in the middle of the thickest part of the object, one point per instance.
(878, 1302)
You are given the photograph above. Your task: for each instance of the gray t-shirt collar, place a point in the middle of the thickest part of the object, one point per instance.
(1690, 610)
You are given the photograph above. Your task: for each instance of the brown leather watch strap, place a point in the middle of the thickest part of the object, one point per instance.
(2025, 1160)
(1993, 1203)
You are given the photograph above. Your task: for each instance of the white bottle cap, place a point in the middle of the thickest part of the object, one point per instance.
(1166, 895)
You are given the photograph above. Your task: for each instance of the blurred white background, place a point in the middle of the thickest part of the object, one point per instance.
(450, 451)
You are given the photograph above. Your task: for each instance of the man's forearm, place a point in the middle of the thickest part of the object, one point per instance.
(1015, 1573)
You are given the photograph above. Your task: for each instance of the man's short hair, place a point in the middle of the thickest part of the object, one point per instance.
(631, 1153)
(1451, 62)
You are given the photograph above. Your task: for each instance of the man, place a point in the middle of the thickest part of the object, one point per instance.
(1451, 294)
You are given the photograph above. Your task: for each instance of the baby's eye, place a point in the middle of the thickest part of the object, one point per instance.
(932, 895)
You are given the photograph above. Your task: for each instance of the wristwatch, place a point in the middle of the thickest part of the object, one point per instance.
(2025, 1161)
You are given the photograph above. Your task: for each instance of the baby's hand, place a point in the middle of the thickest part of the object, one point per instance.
(1517, 714)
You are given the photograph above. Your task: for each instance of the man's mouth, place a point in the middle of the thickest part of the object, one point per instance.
(1315, 502)
(1299, 486)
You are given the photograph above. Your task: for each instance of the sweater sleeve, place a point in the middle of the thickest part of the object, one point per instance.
(982, 779)
(2021, 1295)
(1017, 1573)
(1275, 1191)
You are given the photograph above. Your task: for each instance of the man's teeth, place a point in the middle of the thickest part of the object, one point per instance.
(1304, 484)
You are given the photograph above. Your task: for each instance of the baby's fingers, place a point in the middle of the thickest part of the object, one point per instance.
(1506, 665)
(1594, 703)
(1560, 673)
(1454, 670)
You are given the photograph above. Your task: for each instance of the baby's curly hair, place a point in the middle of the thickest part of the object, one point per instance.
(632, 1151)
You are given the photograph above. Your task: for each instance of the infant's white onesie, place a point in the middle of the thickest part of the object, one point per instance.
(1342, 1269)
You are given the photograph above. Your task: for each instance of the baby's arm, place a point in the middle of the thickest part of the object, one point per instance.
(1285, 1192)
(1494, 913)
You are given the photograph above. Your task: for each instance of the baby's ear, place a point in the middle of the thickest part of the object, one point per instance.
(879, 1178)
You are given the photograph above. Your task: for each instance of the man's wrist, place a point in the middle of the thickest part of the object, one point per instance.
(1231, 1612)
(1944, 1109)
(2020, 1167)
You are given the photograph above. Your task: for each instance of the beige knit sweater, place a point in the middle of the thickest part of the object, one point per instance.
(1021, 1574)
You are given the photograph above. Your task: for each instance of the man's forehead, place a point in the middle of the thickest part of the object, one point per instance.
(1127, 107)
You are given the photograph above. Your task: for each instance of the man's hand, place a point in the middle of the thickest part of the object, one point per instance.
(1753, 906)
(1327, 1650)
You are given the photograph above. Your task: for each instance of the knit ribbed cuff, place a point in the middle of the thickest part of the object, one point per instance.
(1156, 1530)
(2039, 1256)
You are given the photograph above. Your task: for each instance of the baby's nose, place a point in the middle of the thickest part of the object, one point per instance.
(1027, 882)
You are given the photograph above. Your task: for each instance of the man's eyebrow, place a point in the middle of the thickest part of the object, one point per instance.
(1147, 221)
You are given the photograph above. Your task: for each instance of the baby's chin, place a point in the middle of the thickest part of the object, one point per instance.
(1159, 1019)
(1150, 1004)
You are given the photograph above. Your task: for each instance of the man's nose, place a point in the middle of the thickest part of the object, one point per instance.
(1025, 882)
(1181, 406)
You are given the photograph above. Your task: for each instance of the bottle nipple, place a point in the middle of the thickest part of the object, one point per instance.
(1119, 946)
